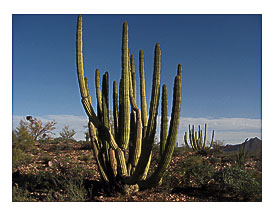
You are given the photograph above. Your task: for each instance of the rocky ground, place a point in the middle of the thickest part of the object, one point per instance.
(68, 172)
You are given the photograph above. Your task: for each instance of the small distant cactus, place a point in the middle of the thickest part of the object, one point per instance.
(198, 142)
(123, 155)
(242, 154)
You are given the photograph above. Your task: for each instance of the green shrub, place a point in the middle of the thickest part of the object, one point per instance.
(239, 182)
(22, 146)
(22, 139)
(85, 158)
(189, 162)
(21, 195)
(200, 175)
(67, 134)
(20, 158)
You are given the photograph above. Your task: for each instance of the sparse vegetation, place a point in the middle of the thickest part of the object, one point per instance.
(37, 129)
(70, 174)
(67, 134)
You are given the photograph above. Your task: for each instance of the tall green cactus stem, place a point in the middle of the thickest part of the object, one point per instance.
(205, 136)
(115, 110)
(105, 109)
(97, 155)
(98, 94)
(87, 89)
(212, 140)
(105, 100)
(142, 90)
(164, 119)
(136, 134)
(133, 76)
(125, 112)
(171, 139)
(148, 140)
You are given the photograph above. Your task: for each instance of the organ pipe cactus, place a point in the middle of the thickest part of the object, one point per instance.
(197, 140)
(123, 155)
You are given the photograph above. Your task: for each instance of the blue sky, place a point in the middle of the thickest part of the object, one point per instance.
(220, 54)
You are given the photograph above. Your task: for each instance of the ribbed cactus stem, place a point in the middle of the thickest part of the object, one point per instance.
(79, 56)
(105, 108)
(115, 109)
(164, 119)
(205, 135)
(185, 140)
(148, 140)
(133, 76)
(212, 140)
(98, 157)
(105, 100)
(142, 89)
(125, 112)
(98, 94)
(151, 128)
(171, 139)
(87, 89)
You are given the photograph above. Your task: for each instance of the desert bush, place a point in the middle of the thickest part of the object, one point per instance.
(20, 158)
(239, 182)
(200, 175)
(56, 140)
(67, 134)
(22, 139)
(21, 195)
(38, 130)
(22, 146)
(189, 162)
(86, 157)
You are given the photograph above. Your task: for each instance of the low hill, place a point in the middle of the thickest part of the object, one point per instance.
(253, 145)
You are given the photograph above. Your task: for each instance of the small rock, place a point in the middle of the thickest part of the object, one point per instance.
(50, 163)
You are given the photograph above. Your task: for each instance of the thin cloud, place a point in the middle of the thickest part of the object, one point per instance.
(229, 130)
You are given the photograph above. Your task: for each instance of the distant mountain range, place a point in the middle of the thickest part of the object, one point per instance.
(253, 145)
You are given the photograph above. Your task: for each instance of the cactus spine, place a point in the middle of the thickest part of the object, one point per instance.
(132, 132)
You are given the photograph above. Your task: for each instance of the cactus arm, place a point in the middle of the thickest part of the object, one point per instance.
(136, 137)
(133, 76)
(201, 139)
(148, 140)
(196, 140)
(79, 56)
(87, 89)
(171, 139)
(98, 157)
(142, 90)
(138, 141)
(205, 136)
(98, 94)
(113, 161)
(105, 100)
(185, 140)
(105, 109)
(164, 119)
(125, 111)
(115, 110)
(122, 168)
(151, 128)
(212, 140)
(191, 138)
